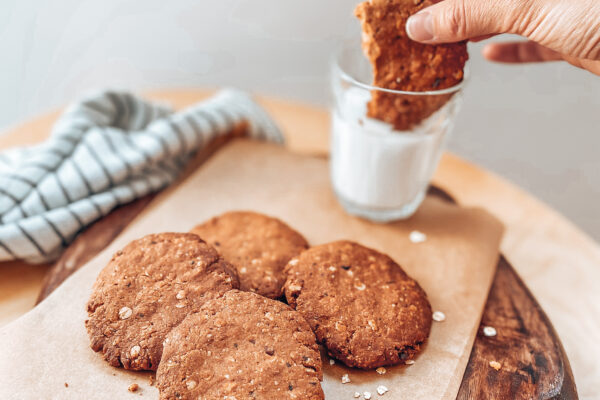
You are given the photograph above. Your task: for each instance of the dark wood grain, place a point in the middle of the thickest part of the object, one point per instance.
(91, 242)
(534, 364)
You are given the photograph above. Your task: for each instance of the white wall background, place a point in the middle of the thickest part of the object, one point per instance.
(537, 125)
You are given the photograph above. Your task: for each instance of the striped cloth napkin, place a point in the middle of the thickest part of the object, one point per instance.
(104, 151)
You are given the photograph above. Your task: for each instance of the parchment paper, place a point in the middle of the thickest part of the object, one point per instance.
(48, 348)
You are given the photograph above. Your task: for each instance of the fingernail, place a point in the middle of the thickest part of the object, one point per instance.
(419, 27)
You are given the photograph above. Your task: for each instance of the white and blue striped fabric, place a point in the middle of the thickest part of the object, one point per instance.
(104, 151)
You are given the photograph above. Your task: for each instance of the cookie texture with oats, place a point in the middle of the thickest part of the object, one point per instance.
(259, 247)
(361, 305)
(241, 346)
(148, 288)
(400, 63)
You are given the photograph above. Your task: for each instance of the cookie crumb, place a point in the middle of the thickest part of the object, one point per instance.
(345, 378)
(382, 390)
(489, 331)
(367, 395)
(381, 370)
(66, 384)
(331, 361)
(151, 380)
(356, 395)
(417, 237)
(133, 387)
(439, 316)
(409, 362)
(496, 365)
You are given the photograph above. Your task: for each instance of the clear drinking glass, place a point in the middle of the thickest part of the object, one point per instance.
(377, 172)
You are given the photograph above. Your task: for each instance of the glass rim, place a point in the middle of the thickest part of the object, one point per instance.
(349, 78)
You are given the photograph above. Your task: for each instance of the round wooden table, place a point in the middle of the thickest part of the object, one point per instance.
(559, 263)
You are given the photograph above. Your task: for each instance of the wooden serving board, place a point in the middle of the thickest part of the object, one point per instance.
(524, 330)
(477, 371)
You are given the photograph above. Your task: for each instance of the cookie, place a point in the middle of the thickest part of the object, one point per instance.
(148, 288)
(259, 247)
(241, 346)
(361, 305)
(400, 63)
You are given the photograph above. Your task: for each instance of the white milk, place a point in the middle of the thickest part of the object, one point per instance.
(379, 173)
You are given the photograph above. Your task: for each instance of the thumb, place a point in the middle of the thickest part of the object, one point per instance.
(456, 20)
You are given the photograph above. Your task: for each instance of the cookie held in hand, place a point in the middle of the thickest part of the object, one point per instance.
(361, 305)
(241, 346)
(400, 63)
(148, 288)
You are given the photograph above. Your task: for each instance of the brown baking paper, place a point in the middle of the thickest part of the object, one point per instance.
(48, 348)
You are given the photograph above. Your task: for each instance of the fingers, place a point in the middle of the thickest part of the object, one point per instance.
(527, 52)
(519, 52)
(456, 20)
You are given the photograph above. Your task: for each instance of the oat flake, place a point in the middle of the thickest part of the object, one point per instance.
(439, 316)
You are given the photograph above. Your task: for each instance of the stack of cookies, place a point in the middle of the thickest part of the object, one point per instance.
(207, 311)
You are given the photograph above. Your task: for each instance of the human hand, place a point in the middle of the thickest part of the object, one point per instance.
(557, 29)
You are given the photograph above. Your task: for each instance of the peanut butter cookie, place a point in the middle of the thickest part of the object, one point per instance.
(361, 305)
(148, 288)
(259, 247)
(241, 346)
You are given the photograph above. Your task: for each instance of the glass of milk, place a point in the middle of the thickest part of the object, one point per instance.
(379, 173)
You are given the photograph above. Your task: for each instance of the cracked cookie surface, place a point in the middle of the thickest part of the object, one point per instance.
(258, 246)
(361, 305)
(400, 63)
(146, 289)
(241, 346)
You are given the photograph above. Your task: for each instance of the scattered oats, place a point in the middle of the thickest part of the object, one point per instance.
(269, 316)
(372, 325)
(382, 390)
(179, 305)
(133, 387)
(367, 395)
(135, 351)
(332, 268)
(439, 316)
(243, 270)
(409, 362)
(255, 261)
(350, 273)
(293, 261)
(381, 370)
(496, 365)
(360, 287)
(489, 331)
(417, 237)
(180, 295)
(226, 376)
(191, 384)
(295, 288)
(345, 378)
(331, 361)
(356, 395)
(125, 313)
